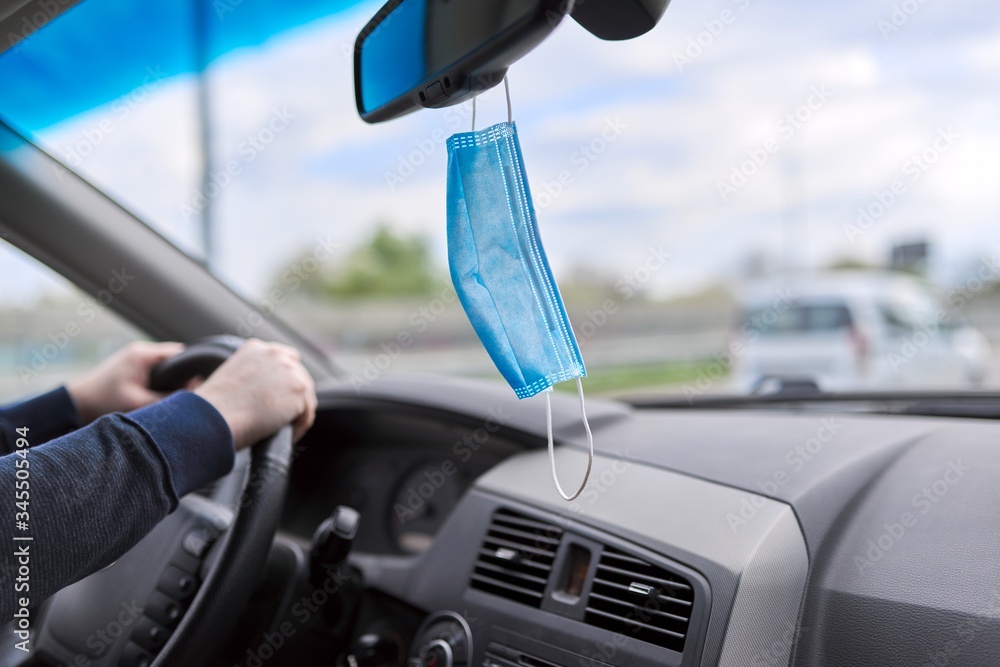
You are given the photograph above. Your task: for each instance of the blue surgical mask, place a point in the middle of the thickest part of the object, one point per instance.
(499, 268)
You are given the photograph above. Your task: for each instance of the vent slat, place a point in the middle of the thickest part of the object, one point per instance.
(531, 545)
(513, 572)
(624, 589)
(639, 608)
(490, 555)
(638, 599)
(490, 581)
(637, 624)
(503, 662)
(611, 556)
(542, 553)
(523, 661)
(659, 581)
(523, 536)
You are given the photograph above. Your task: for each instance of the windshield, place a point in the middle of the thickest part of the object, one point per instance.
(750, 190)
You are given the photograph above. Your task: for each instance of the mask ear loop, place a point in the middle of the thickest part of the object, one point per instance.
(552, 450)
(506, 89)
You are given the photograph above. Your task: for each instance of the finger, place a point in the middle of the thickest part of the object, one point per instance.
(251, 343)
(300, 426)
(312, 403)
(308, 417)
(145, 347)
(140, 397)
(283, 350)
(157, 352)
(194, 382)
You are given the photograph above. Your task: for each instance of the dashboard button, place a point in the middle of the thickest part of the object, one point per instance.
(135, 656)
(177, 584)
(197, 543)
(163, 609)
(150, 635)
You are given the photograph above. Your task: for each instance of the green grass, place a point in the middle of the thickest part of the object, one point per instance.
(622, 379)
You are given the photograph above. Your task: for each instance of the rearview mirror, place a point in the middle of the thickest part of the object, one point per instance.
(435, 53)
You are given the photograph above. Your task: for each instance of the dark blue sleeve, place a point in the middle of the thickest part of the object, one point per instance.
(97, 491)
(47, 416)
(191, 436)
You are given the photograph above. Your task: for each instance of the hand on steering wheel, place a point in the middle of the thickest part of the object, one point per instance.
(259, 389)
(189, 597)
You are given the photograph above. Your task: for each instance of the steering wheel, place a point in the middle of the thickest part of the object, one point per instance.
(182, 588)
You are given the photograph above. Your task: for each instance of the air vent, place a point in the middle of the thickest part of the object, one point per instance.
(640, 600)
(516, 557)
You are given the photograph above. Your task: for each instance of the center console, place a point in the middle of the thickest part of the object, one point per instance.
(519, 577)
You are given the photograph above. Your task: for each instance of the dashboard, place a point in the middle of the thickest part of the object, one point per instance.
(723, 537)
(404, 473)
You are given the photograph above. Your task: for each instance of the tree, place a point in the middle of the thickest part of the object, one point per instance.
(851, 264)
(386, 265)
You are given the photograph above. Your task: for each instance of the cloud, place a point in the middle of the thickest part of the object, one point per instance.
(685, 130)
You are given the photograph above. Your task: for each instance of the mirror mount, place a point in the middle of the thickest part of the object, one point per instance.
(616, 20)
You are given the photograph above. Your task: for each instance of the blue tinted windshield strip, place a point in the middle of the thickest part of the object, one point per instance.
(102, 49)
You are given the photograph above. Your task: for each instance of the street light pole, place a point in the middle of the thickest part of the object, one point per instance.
(202, 48)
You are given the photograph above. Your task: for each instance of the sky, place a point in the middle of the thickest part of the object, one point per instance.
(734, 128)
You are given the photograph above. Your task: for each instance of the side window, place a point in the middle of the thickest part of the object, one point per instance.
(896, 318)
(51, 331)
(829, 318)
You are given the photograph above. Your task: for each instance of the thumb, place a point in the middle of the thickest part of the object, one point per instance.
(150, 357)
(157, 352)
(194, 382)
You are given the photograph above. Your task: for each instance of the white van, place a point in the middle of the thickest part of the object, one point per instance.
(855, 330)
